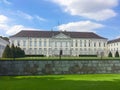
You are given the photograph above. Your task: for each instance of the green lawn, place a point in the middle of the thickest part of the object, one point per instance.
(63, 58)
(61, 82)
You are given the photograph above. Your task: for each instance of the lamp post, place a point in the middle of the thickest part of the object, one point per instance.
(60, 54)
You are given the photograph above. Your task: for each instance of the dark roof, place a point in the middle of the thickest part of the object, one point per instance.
(114, 40)
(48, 34)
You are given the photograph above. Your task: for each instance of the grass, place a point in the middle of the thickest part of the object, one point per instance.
(63, 58)
(61, 82)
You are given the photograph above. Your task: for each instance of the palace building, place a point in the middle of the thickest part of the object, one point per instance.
(50, 43)
(114, 45)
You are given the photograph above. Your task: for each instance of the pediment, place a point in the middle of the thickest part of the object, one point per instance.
(61, 35)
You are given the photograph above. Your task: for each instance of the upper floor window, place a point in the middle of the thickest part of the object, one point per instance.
(99, 44)
(85, 43)
(104, 44)
(94, 44)
(18, 43)
(55, 44)
(30, 43)
(35, 43)
(24, 43)
(40, 43)
(76, 43)
(80, 43)
(45, 43)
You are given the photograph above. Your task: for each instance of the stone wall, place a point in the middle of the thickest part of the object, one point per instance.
(59, 67)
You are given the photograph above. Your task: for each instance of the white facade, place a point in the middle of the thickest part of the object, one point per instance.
(3, 44)
(52, 46)
(113, 46)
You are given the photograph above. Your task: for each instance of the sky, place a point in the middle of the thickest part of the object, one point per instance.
(99, 16)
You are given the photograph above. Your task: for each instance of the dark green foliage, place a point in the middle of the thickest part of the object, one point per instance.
(35, 55)
(5, 38)
(7, 52)
(110, 54)
(117, 54)
(13, 52)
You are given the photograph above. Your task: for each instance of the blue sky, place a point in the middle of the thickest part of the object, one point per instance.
(99, 16)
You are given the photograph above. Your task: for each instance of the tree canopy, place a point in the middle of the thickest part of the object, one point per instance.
(13, 52)
(110, 54)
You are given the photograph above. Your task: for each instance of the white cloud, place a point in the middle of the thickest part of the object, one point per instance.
(24, 15)
(29, 17)
(17, 28)
(3, 19)
(6, 2)
(11, 29)
(40, 18)
(82, 26)
(93, 9)
(3, 22)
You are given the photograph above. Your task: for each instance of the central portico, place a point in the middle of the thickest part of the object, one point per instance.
(61, 42)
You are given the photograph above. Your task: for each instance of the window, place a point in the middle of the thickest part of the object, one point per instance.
(35, 49)
(85, 43)
(89, 44)
(24, 43)
(99, 44)
(55, 44)
(76, 43)
(80, 43)
(45, 43)
(30, 43)
(49, 44)
(72, 44)
(18, 43)
(80, 49)
(35, 43)
(66, 44)
(85, 49)
(40, 43)
(105, 44)
(24, 49)
(94, 44)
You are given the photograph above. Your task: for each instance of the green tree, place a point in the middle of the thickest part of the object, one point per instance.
(19, 52)
(7, 52)
(110, 54)
(117, 54)
(13, 51)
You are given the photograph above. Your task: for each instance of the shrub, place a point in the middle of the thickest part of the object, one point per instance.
(110, 54)
(117, 54)
(13, 52)
(35, 55)
(7, 52)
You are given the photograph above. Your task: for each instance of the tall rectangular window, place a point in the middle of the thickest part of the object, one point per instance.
(105, 44)
(40, 43)
(30, 43)
(85, 43)
(24, 43)
(99, 44)
(80, 43)
(55, 44)
(44, 43)
(94, 44)
(76, 43)
(72, 44)
(35, 43)
(18, 43)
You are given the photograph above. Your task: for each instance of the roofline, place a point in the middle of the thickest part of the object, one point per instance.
(98, 37)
